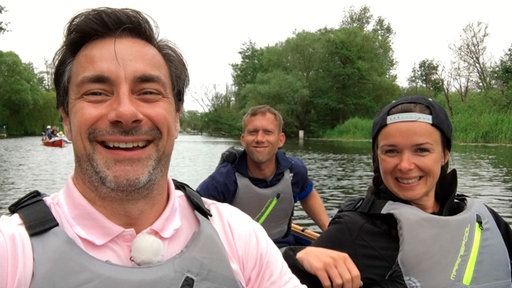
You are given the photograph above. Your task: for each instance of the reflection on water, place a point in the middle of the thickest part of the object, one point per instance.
(338, 169)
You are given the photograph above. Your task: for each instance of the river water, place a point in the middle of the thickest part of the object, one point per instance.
(338, 169)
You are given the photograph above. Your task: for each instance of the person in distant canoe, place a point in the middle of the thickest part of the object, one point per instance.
(55, 132)
(262, 181)
(121, 220)
(48, 135)
(412, 229)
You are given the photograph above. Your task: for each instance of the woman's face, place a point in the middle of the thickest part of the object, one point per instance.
(410, 156)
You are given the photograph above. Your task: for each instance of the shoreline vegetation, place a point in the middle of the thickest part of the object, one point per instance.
(476, 121)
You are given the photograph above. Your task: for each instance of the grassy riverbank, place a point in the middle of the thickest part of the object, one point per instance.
(476, 120)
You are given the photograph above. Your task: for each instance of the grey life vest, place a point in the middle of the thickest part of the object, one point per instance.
(60, 262)
(463, 250)
(271, 207)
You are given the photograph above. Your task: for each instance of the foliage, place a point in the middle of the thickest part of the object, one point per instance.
(354, 128)
(426, 75)
(222, 118)
(190, 122)
(249, 67)
(488, 123)
(502, 73)
(286, 93)
(319, 79)
(25, 108)
(3, 25)
(222, 122)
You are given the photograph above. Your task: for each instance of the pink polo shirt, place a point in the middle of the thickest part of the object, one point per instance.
(255, 259)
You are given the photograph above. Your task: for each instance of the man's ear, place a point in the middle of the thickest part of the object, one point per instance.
(177, 125)
(66, 124)
(282, 139)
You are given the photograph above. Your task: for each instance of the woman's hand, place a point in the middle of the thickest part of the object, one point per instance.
(333, 268)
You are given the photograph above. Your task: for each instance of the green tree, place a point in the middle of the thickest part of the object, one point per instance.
(428, 76)
(351, 78)
(503, 71)
(22, 99)
(190, 121)
(222, 117)
(319, 79)
(502, 74)
(285, 92)
(247, 70)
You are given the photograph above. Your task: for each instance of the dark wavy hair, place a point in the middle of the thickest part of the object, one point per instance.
(105, 22)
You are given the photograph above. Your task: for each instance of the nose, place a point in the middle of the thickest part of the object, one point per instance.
(260, 136)
(124, 110)
(406, 161)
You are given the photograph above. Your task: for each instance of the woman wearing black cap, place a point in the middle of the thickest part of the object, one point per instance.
(412, 229)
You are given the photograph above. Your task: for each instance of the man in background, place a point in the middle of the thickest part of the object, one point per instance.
(262, 181)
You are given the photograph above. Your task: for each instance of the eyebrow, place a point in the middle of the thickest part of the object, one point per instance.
(102, 79)
(149, 78)
(96, 78)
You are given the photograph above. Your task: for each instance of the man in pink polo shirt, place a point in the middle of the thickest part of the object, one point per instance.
(120, 221)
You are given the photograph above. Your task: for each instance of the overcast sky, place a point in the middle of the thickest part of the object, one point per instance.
(210, 33)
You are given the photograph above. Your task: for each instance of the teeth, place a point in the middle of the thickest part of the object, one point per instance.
(408, 181)
(126, 145)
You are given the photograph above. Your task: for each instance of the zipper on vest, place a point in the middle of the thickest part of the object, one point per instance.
(470, 268)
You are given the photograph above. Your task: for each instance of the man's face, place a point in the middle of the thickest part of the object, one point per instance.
(122, 117)
(261, 138)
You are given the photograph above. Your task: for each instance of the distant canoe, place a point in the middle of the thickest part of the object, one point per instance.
(55, 142)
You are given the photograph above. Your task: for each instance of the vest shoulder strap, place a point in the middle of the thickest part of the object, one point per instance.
(193, 197)
(36, 215)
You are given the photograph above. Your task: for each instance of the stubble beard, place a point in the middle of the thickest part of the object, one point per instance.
(258, 158)
(106, 185)
(120, 187)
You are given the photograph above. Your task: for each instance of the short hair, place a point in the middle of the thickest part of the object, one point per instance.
(263, 109)
(105, 22)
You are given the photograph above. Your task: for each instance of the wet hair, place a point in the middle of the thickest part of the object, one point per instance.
(263, 109)
(105, 22)
(407, 107)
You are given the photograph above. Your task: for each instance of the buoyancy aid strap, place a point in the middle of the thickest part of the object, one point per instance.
(38, 218)
(34, 212)
(193, 197)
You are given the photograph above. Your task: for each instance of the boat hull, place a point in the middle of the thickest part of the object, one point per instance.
(54, 143)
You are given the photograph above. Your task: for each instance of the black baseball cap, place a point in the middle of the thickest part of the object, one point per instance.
(439, 118)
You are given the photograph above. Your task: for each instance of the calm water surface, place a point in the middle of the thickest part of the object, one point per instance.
(338, 169)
